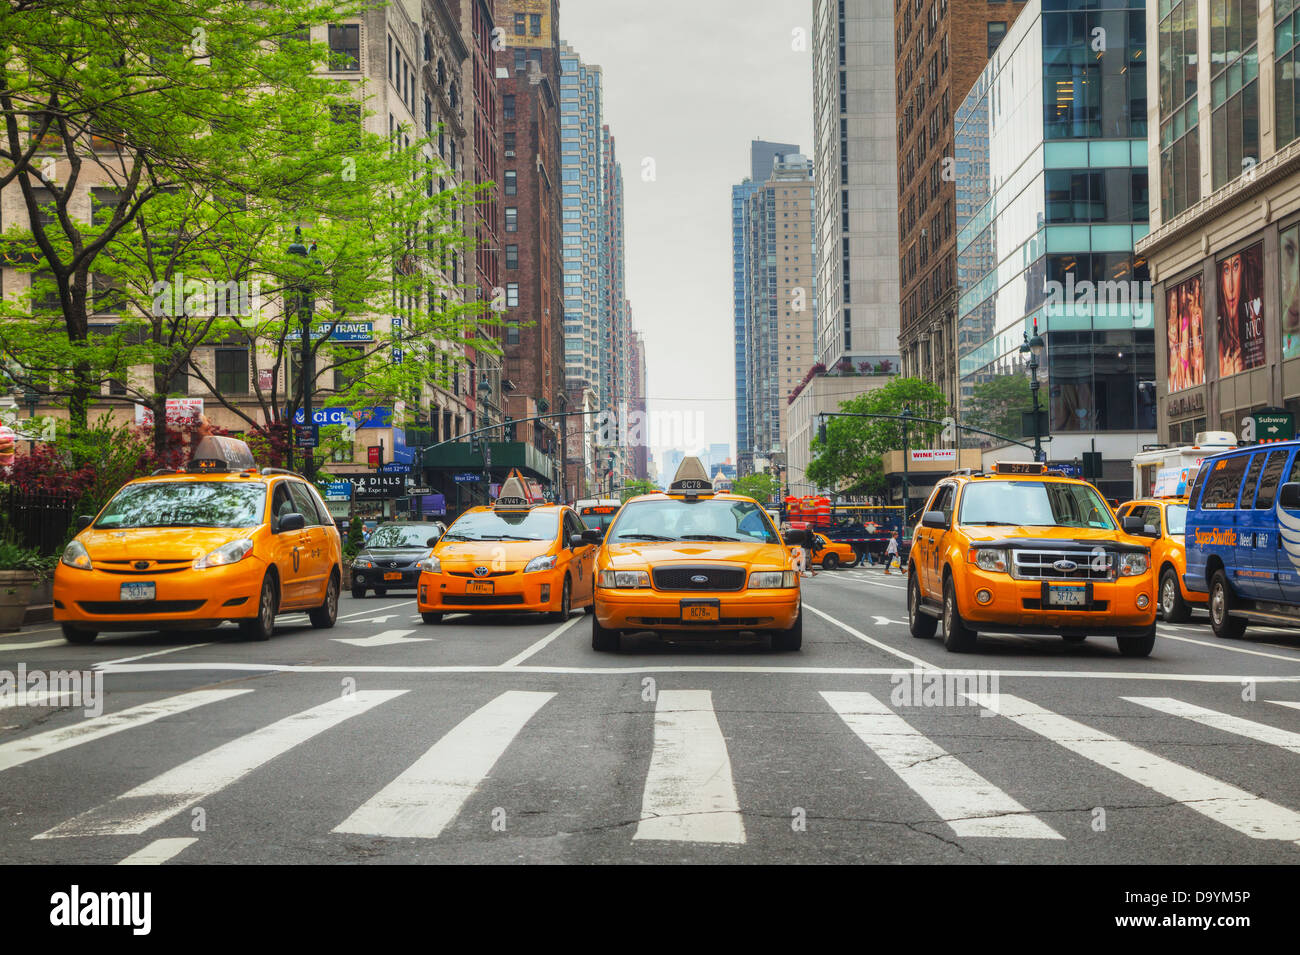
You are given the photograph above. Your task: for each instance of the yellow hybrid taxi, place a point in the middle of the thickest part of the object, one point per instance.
(516, 556)
(223, 540)
(693, 562)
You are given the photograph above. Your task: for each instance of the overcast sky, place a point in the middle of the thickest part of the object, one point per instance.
(688, 84)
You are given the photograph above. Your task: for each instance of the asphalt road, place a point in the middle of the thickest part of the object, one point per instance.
(509, 740)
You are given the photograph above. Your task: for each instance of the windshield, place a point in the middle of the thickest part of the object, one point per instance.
(491, 526)
(697, 520)
(598, 518)
(1034, 504)
(398, 535)
(1176, 518)
(186, 504)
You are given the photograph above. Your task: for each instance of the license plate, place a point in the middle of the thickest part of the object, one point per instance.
(393, 575)
(139, 590)
(699, 613)
(1067, 596)
(479, 587)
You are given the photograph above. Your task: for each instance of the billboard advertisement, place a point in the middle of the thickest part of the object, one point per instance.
(1240, 280)
(1186, 334)
(1289, 264)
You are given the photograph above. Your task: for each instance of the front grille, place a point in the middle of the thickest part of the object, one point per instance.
(715, 578)
(470, 600)
(139, 606)
(128, 568)
(469, 573)
(1097, 606)
(1040, 565)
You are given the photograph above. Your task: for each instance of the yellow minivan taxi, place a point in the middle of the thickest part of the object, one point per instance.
(220, 541)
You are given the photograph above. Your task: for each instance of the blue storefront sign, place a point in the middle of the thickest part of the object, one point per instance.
(361, 417)
(401, 453)
(338, 491)
(346, 331)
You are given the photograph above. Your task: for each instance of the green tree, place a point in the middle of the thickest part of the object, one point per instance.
(639, 486)
(850, 460)
(996, 405)
(761, 486)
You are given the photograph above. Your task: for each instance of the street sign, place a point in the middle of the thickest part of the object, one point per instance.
(1027, 424)
(338, 491)
(306, 436)
(394, 469)
(375, 456)
(1069, 470)
(1092, 465)
(1269, 425)
(419, 491)
(466, 478)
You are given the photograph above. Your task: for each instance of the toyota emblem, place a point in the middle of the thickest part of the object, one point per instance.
(699, 579)
(480, 571)
(1065, 566)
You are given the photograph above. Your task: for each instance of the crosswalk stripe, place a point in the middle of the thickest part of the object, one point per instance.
(423, 800)
(159, 851)
(161, 798)
(1220, 801)
(1291, 703)
(1260, 732)
(24, 750)
(965, 800)
(689, 794)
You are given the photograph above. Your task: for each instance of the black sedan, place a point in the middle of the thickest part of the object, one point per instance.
(387, 562)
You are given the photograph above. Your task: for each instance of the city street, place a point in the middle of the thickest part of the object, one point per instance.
(509, 740)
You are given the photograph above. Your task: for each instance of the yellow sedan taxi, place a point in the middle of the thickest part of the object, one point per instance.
(516, 556)
(220, 541)
(695, 562)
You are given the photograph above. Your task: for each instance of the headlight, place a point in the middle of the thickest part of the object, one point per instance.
(225, 554)
(540, 563)
(362, 562)
(990, 558)
(617, 579)
(75, 555)
(772, 579)
(1130, 565)
(429, 565)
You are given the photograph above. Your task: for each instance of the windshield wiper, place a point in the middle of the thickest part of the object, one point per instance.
(457, 537)
(644, 537)
(709, 537)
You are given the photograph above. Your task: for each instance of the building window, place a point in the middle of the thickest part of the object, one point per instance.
(509, 143)
(512, 256)
(345, 46)
(1180, 141)
(232, 371)
(521, 20)
(1286, 74)
(508, 106)
(535, 24)
(512, 219)
(997, 30)
(1234, 85)
(512, 182)
(512, 295)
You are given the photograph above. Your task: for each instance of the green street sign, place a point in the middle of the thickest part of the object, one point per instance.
(1268, 426)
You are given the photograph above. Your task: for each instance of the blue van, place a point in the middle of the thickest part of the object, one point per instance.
(1243, 537)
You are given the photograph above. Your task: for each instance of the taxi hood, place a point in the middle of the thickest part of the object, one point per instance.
(157, 543)
(635, 555)
(510, 555)
(1030, 536)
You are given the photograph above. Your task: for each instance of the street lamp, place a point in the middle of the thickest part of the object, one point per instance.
(304, 305)
(1032, 350)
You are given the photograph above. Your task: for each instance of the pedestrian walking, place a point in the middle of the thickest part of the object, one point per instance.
(891, 552)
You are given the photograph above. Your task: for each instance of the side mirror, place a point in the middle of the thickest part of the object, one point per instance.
(84, 521)
(592, 535)
(795, 537)
(293, 521)
(935, 519)
(1288, 496)
(432, 541)
(1150, 530)
(578, 540)
(1132, 525)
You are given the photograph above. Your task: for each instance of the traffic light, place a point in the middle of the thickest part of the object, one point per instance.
(474, 444)
(510, 428)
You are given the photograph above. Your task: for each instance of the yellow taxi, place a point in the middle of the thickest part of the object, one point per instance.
(220, 541)
(1026, 550)
(833, 553)
(695, 562)
(515, 556)
(1164, 520)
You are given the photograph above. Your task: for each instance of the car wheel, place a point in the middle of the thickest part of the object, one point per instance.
(263, 625)
(358, 593)
(590, 608)
(77, 635)
(1173, 608)
(381, 591)
(603, 639)
(857, 559)
(323, 617)
(562, 614)
(920, 625)
(1138, 646)
(1222, 601)
(428, 616)
(830, 562)
(957, 637)
(792, 639)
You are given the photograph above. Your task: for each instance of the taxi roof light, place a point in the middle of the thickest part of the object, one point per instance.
(1020, 467)
(221, 453)
(691, 479)
(514, 494)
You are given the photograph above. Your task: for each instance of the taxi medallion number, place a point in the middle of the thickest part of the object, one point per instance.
(139, 590)
(479, 587)
(700, 611)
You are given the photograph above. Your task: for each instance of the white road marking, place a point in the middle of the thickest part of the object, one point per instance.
(382, 639)
(885, 621)
(159, 851)
(163, 797)
(1260, 732)
(1291, 703)
(424, 799)
(967, 802)
(24, 750)
(521, 657)
(1221, 645)
(40, 698)
(142, 656)
(32, 646)
(689, 794)
(915, 661)
(1213, 798)
(381, 619)
(374, 610)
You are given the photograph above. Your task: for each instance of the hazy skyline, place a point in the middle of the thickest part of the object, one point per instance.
(687, 86)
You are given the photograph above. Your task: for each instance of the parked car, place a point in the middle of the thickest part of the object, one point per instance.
(388, 560)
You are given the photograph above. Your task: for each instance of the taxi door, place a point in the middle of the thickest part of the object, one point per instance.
(581, 563)
(287, 548)
(927, 546)
(315, 557)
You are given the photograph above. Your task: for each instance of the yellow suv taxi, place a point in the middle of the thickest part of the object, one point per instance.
(1164, 520)
(1027, 550)
(516, 556)
(692, 561)
(220, 541)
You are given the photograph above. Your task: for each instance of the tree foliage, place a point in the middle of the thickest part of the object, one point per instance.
(997, 404)
(761, 486)
(638, 486)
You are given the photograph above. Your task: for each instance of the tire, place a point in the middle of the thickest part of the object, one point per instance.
(358, 593)
(381, 591)
(323, 617)
(920, 625)
(590, 608)
(1222, 600)
(562, 614)
(857, 559)
(1074, 637)
(957, 637)
(1173, 608)
(430, 617)
(604, 640)
(1138, 646)
(77, 635)
(786, 641)
(830, 562)
(263, 625)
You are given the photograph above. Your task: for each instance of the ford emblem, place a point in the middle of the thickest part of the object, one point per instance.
(1065, 566)
(699, 579)
(480, 571)
(142, 565)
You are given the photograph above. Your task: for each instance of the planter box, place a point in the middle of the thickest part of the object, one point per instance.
(16, 590)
